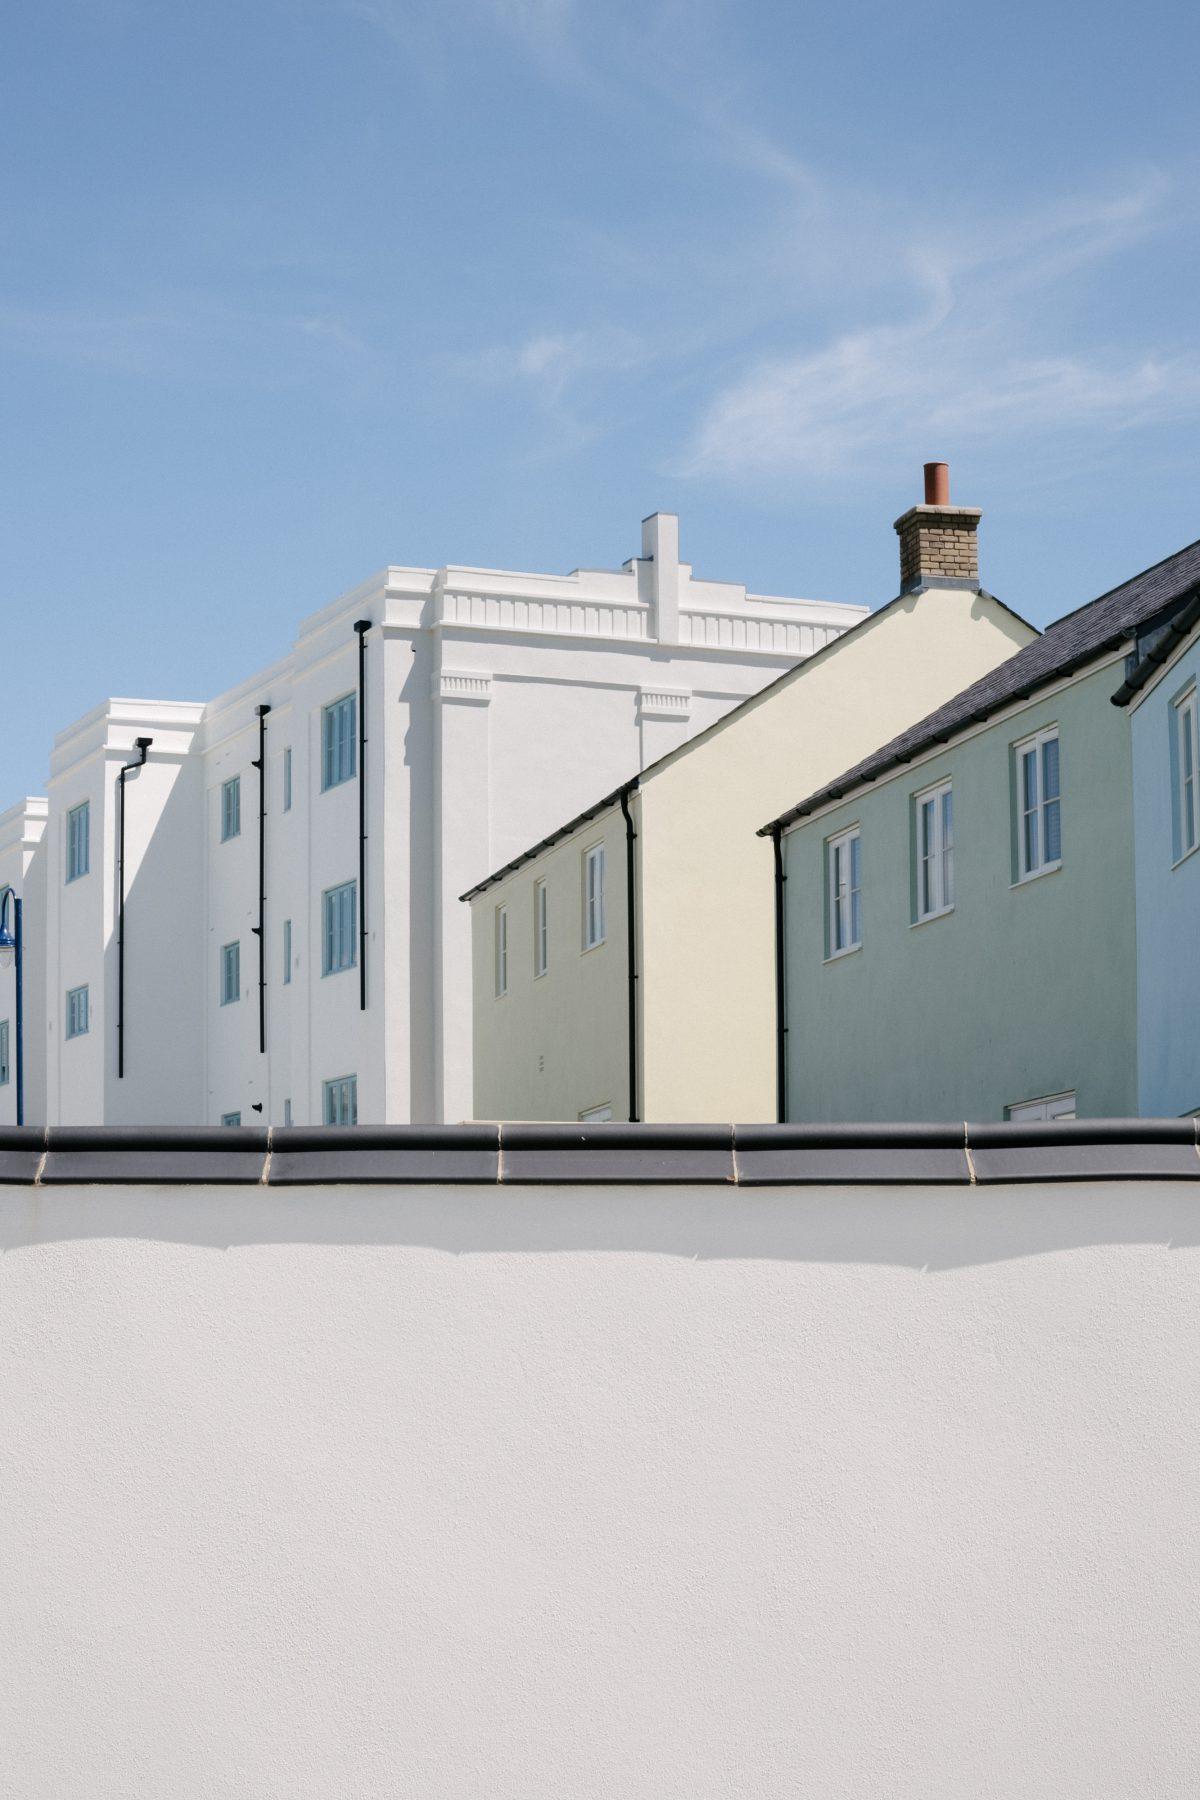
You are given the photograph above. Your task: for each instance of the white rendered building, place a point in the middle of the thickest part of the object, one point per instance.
(482, 707)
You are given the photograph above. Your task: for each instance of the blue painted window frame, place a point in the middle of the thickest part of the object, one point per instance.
(339, 744)
(78, 1019)
(79, 840)
(231, 808)
(339, 928)
(339, 1100)
(231, 972)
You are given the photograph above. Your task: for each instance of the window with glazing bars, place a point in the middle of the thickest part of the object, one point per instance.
(341, 1101)
(338, 741)
(844, 895)
(593, 897)
(231, 973)
(231, 808)
(1187, 761)
(77, 1012)
(339, 908)
(501, 952)
(541, 929)
(231, 1118)
(78, 841)
(935, 851)
(1039, 835)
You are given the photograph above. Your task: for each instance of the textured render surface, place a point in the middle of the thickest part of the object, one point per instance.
(1024, 989)
(681, 1494)
(1168, 908)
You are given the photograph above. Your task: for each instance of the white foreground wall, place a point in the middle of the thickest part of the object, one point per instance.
(668, 1493)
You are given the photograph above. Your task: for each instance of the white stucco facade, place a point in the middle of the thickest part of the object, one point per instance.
(624, 1493)
(496, 703)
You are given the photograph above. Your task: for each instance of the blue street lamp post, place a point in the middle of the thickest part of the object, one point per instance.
(10, 949)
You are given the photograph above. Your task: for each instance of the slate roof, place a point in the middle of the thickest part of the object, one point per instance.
(1071, 643)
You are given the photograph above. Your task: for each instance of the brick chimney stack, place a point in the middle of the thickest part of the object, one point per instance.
(938, 545)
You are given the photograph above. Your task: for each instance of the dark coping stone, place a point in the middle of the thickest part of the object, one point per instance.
(615, 1152)
(1086, 1150)
(21, 1149)
(303, 1154)
(839, 1155)
(213, 1154)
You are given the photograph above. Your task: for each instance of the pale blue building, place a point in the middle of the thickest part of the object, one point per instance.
(1160, 693)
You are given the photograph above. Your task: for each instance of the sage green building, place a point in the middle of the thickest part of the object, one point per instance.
(957, 911)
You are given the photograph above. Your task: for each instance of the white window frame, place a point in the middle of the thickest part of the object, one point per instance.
(287, 779)
(231, 964)
(79, 1021)
(541, 929)
(935, 851)
(501, 947)
(1047, 1106)
(1034, 747)
(287, 953)
(79, 841)
(339, 1096)
(597, 1115)
(839, 894)
(594, 922)
(231, 808)
(339, 741)
(5, 1054)
(1186, 724)
(339, 928)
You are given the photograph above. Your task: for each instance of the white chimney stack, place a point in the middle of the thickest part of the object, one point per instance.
(660, 549)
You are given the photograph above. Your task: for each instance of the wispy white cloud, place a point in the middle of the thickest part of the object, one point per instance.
(875, 333)
(973, 356)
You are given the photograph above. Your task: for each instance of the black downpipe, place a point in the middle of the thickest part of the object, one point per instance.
(260, 930)
(631, 948)
(141, 744)
(362, 626)
(780, 980)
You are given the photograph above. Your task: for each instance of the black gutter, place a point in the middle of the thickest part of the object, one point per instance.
(631, 949)
(259, 930)
(142, 745)
(780, 978)
(10, 898)
(362, 626)
(863, 1155)
(1163, 651)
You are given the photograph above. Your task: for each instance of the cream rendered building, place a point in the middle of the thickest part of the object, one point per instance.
(572, 1019)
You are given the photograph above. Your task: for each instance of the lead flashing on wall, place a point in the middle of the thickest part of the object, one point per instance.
(488, 1155)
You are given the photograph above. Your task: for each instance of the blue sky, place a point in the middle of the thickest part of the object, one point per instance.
(295, 288)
